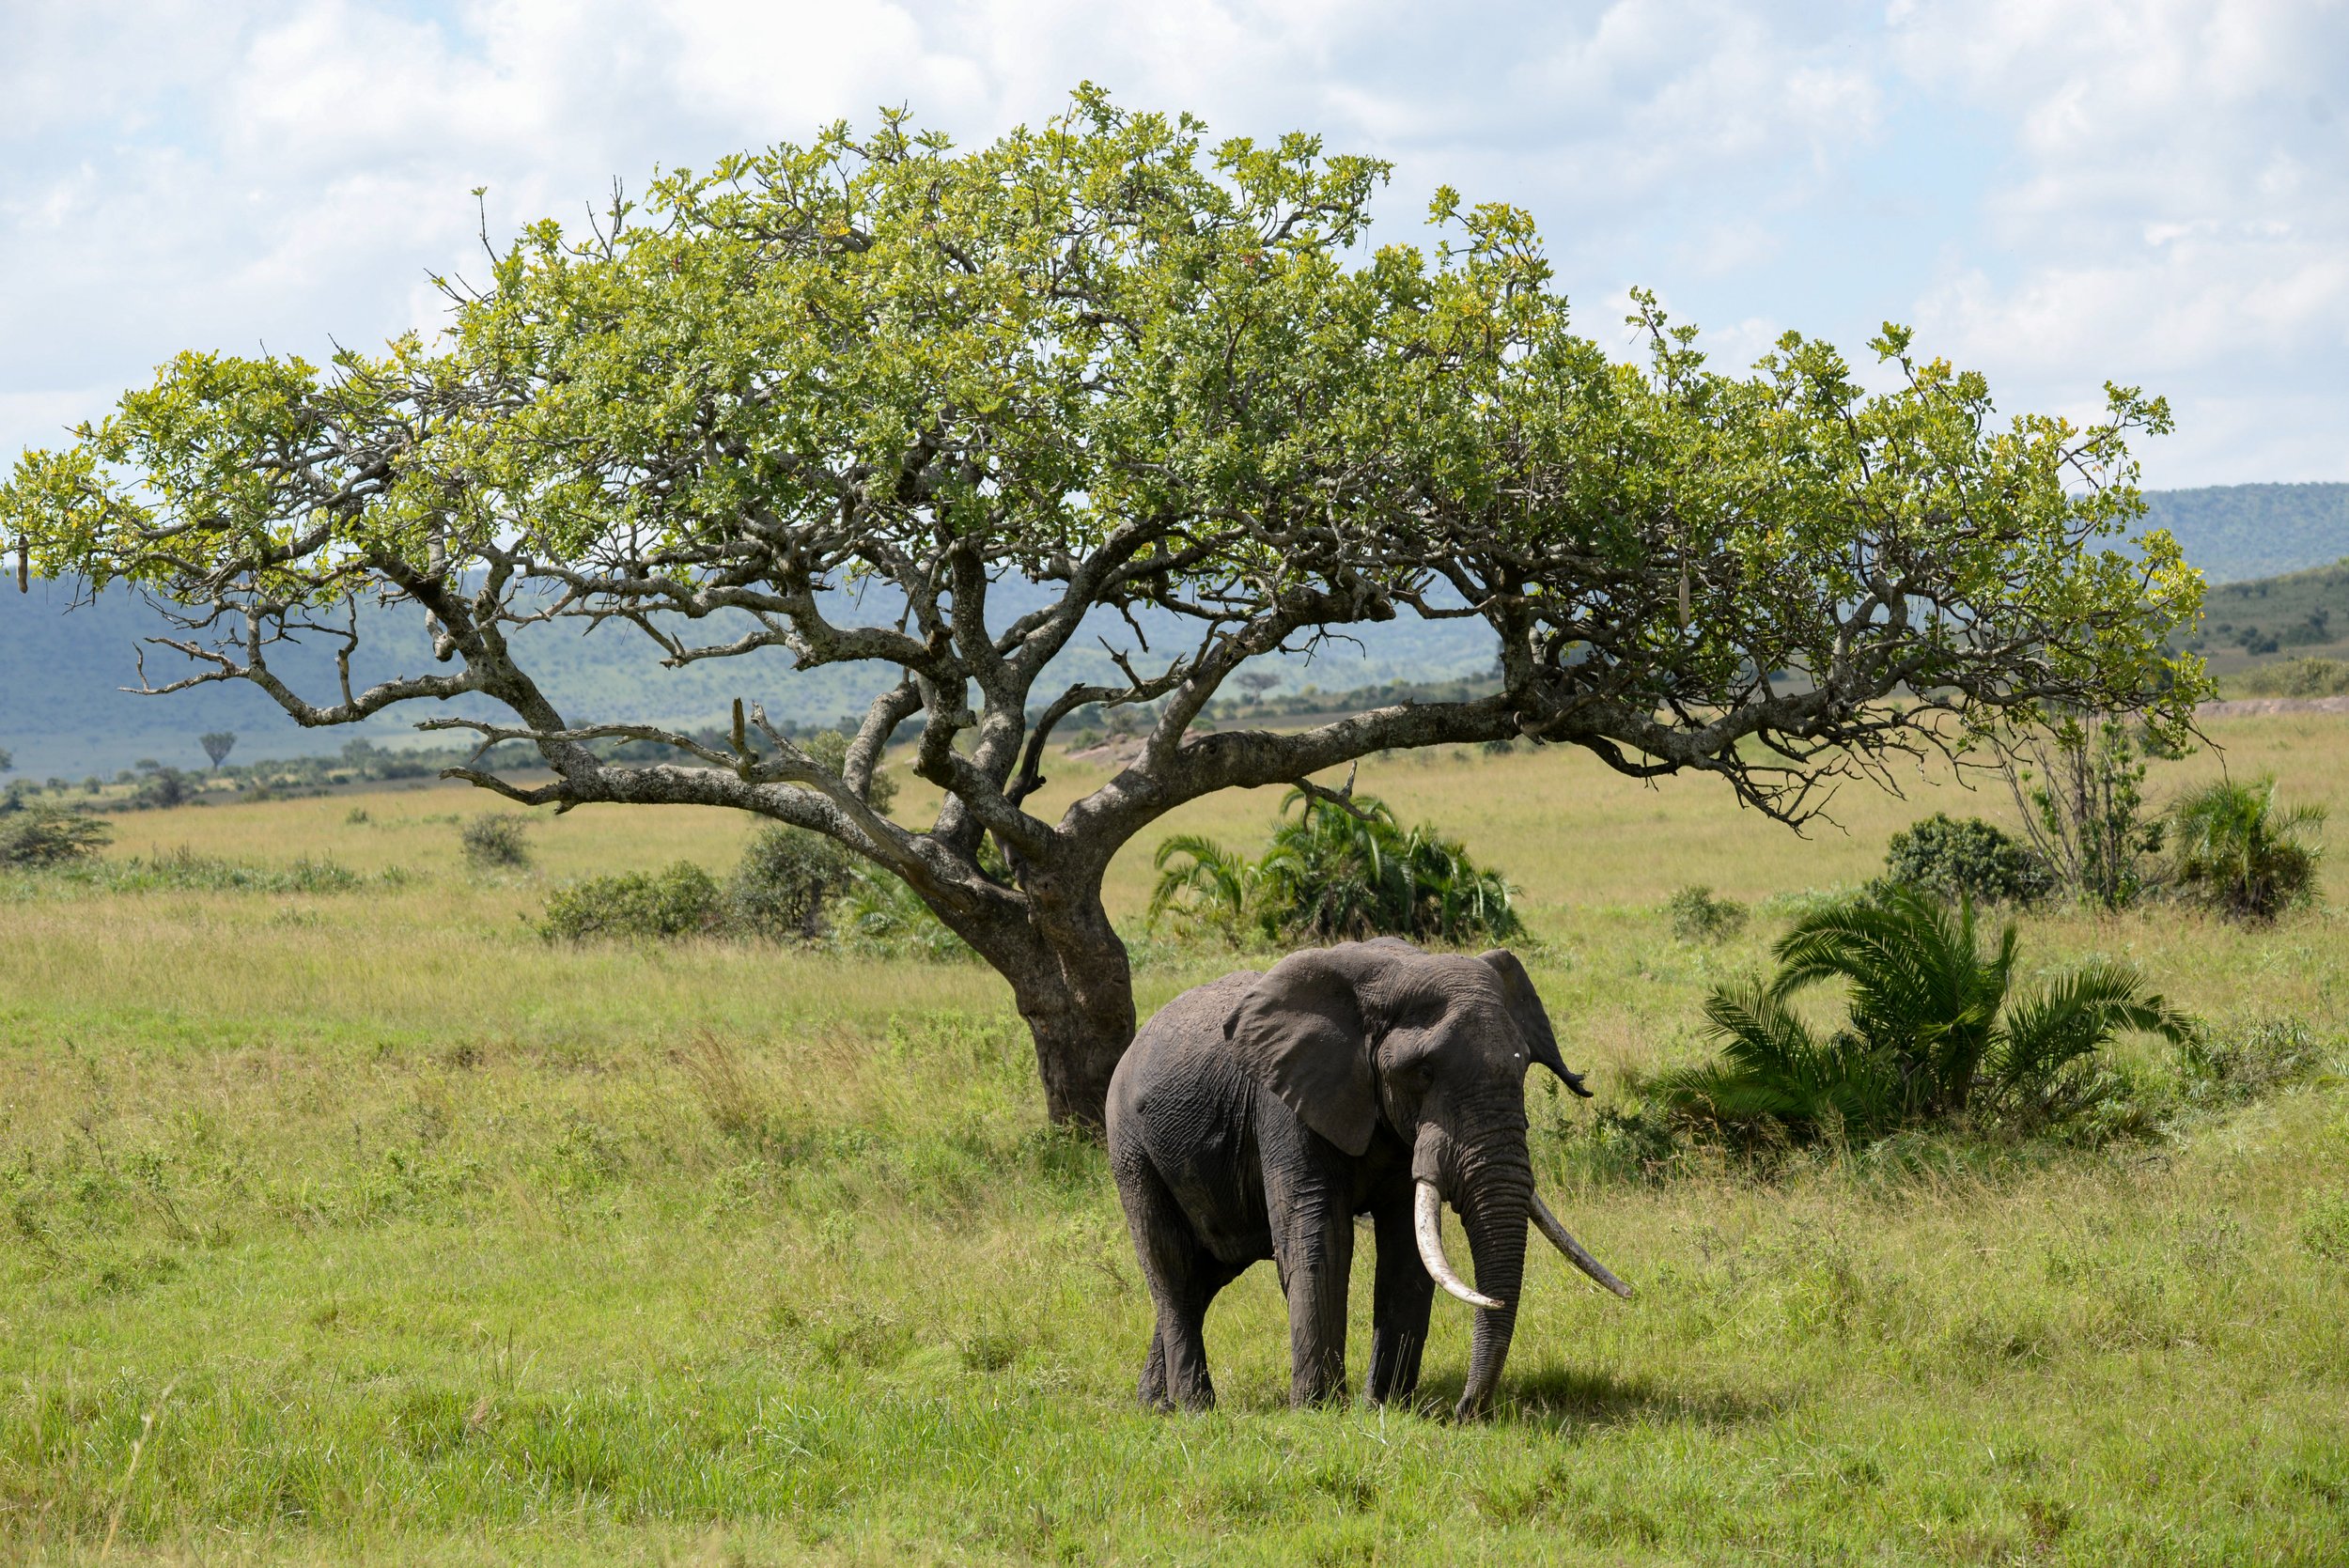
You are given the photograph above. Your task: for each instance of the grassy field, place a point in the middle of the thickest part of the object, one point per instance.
(364, 1226)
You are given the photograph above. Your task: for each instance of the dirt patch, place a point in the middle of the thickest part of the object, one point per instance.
(1117, 752)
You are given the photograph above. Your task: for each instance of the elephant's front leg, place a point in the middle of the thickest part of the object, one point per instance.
(1316, 1255)
(1401, 1296)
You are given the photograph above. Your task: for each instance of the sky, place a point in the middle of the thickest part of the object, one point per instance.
(2059, 195)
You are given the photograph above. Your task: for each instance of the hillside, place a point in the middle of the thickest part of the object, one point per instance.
(2239, 531)
(2298, 613)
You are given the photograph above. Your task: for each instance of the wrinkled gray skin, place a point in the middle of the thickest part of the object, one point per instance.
(1255, 1116)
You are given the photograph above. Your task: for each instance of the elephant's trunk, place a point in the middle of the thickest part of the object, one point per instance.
(1494, 1217)
(1491, 1185)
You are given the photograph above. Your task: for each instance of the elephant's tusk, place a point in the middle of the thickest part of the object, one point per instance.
(1547, 1224)
(1426, 1222)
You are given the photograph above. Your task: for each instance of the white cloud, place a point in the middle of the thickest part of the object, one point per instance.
(2169, 197)
(2176, 212)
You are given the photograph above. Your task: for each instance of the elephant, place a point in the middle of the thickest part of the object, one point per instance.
(1255, 1116)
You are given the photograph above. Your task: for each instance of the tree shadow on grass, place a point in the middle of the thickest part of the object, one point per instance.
(1558, 1398)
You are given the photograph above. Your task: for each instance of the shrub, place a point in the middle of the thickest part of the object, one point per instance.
(2235, 852)
(683, 900)
(878, 913)
(2247, 1060)
(2298, 677)
(2082, 797)
(1969, 860)
(786, 879)
(1696, 916)
(1934, 1033)
(1338, 873)
(49, 835)
(182, 870)
(163, 788)
(494, 841)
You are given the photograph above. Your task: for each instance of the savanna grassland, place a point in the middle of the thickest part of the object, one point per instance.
(363, 1225)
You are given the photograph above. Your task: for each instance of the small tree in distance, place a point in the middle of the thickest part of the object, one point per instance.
(1137, 372)
(218, 744)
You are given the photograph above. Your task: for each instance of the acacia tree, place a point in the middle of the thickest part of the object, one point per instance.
(1108, 360)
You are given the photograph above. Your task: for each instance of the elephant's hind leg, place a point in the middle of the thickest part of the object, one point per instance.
(1183, 1278)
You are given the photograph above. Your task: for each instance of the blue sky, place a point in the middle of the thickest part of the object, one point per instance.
(2057, 194)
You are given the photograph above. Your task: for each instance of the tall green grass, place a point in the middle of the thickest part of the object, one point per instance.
(379, 1229)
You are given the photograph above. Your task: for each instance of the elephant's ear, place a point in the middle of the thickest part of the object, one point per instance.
(1532, 1019)
(1301, 1031)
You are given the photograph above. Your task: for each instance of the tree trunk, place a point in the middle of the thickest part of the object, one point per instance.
(1069, 976)
(1077, 1048)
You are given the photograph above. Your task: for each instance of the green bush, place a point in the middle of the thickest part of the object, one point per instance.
(787, 877)
(681, 901)
(878, 913)
(1971, 859)
(494, 841)
(1696, 916)
(1335, 874)
(2297, 677)
(182, 870)
(2084, 788)
(48, 836)
(1935, 1032)
(2232, 850)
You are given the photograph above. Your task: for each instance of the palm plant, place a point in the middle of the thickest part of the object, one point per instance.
(2233, 849)
(1339, 871)
(1934, 1032)
(1209, 887)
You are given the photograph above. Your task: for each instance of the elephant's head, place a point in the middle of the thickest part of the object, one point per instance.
(1432, 1049)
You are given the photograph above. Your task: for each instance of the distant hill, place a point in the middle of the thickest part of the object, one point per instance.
(2303, 612)
(2234, 533)
(62, 715)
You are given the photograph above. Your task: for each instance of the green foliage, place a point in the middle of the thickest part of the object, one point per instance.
(1934, 1031)
(161, 789)
(2325, 1230)
(2082, 787)
(682, 901)
(2234, 850)
(217, 744)
(2298, 677)
(1206, 888)
(2231, 1066)
(879, 914)
(786, 877)
(1969, 860)
(1696, 916)
(1048, 336)
(41, 836)
(1340, 872)
(183, 870)
(493, 841)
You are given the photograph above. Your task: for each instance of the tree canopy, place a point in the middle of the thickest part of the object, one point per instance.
(1110, 358)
